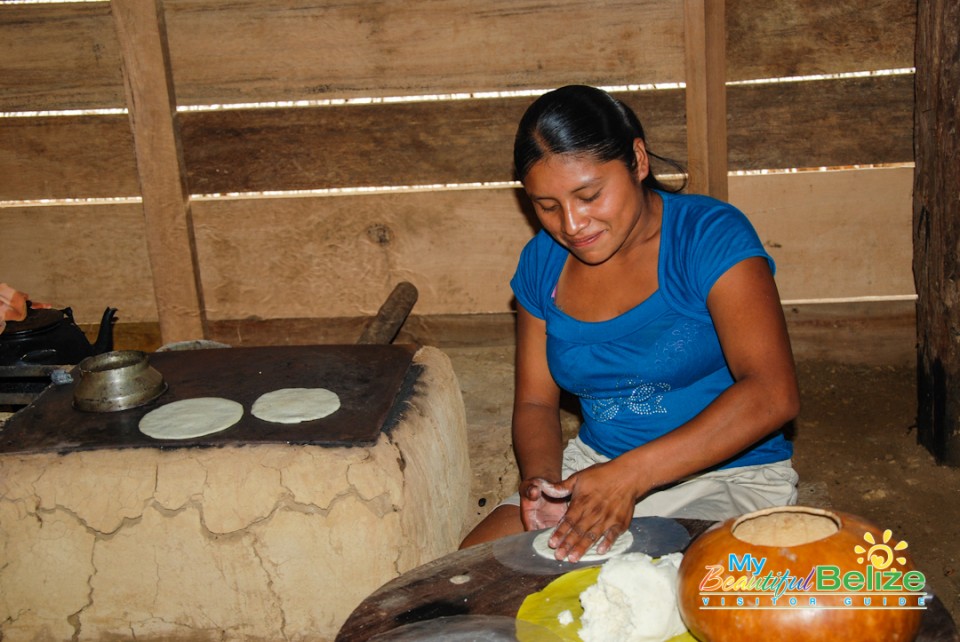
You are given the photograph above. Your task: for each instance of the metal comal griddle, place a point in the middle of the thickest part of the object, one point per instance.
(371, 381)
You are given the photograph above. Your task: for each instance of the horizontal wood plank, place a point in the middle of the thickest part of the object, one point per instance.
(872, 332)
(827, 123)
(833, 235)
(443, 330)
(249, 50)
(289, 149)
(806, 124)
(65, 56)
(386, 144)
(810, 124)
(84, 256)
(67, 157)
(777, 38)
(59, 56)
(341, 256)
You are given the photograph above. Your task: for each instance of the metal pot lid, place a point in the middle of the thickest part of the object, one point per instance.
(36, 321)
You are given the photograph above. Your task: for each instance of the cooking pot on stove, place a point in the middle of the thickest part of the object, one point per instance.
(52, 337)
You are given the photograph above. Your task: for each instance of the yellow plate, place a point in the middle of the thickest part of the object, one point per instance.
(563, 593)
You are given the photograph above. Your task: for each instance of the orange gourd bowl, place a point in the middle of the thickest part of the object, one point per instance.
(799, 573)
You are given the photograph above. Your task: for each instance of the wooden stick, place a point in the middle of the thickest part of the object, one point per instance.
(385, 326)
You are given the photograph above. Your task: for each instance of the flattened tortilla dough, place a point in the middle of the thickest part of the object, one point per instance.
(542, 547)
(294, 405)
(191, 418)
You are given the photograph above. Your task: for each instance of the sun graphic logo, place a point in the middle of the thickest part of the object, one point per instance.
(886, 579)
(880, 555)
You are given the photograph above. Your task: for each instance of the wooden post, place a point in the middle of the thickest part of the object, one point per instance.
(706, 95)
(936, 227)
(151, 102)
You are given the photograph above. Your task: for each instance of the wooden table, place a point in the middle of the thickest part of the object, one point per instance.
(474, 582)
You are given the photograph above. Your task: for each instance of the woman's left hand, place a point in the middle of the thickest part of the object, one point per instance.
(601, 506)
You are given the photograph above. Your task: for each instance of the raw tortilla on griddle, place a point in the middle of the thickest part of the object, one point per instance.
(190, 418)
(295, 405)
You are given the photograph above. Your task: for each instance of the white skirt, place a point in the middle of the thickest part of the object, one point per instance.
(714, 495)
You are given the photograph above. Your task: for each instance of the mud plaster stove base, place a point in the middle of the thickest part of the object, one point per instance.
(104, 534)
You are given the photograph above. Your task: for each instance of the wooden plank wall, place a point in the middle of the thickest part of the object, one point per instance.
(283, 223)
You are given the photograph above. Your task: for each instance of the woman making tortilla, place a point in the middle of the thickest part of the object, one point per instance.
(660, 313)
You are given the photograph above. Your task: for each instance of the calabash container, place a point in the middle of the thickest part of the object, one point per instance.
(799, 573)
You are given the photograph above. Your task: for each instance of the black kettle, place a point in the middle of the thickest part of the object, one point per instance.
(51, 337)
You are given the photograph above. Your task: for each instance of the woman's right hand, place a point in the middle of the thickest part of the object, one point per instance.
(542, 504)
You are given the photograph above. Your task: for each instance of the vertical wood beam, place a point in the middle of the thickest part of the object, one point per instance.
(936, 227)
(151, 102)
(705, 34)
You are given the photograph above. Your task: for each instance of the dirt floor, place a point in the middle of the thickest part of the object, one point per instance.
(855, 450)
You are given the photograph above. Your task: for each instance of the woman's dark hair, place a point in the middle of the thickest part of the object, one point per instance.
(587, 121)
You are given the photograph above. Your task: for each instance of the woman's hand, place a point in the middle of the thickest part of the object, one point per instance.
(542, 504)
(602, 498)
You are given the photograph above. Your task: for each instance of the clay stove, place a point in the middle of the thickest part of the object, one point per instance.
(264, 530)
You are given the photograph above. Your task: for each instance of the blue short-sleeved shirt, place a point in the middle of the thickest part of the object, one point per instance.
(653, 368)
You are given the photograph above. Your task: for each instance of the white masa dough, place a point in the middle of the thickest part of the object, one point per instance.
(189, 418)
(634, 600)
(295, 405)
(622, 544)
